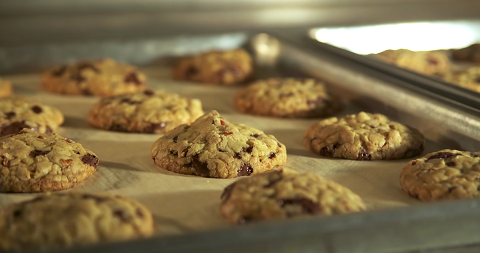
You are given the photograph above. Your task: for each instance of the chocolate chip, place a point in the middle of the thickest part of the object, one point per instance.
(364, 156)
(451, 164)
(77, 77)
(86, 92)
(173, 152)
(121, 215)
(245, 170)
(14, 128)
(249, 149)
(17, 213)
(475, 155)
(414, 162)
(132, 78)
(190, 72)
(36, 109)
(175, 139)
(329, 151)
(76, 152)
(237, 155)
(129, 101)
(272, 155)
(154, 127)
(255, 135)
(148, 92)
(90, 159)
(10, 115)
(442, 155)
(451, 189)
(118, 128)
(308, 206)
(36, 152)
(200, 167)
(227, 192)
(59, 71)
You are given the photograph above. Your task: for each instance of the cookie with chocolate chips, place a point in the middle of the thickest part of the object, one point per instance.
(445, 174)
(34, 162)
(363, 136)
(214, 147)
(468, 78)
(282, 194)
(425, 62)
(229, 67)
(94, 78)
(287, 97)
(65, 220)
(144, 112)
(5, 88)
(17, 113)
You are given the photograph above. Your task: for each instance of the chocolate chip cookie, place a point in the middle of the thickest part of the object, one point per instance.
(34, 162)
(229, 67)
(425, 62)
(144, 112)
(469, 78)
(445, 174)
(21, 112)
(363, 136)
(286, 194)
(64, 220)
(213, 147)
(469, 54)
(94, 78)
(5, 88)
(287, 97)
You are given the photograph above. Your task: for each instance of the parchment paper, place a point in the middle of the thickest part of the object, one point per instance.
(182, 203)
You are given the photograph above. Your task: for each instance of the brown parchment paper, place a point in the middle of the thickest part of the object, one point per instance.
(181, 203)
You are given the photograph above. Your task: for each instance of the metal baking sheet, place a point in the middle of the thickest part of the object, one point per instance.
(359, 42)
(186, 208)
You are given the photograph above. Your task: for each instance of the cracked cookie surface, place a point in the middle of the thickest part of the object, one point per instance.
(425, 62)
(287, 97)
(213, 147)
(20, 112)
(363, 136)
(285, 194)
(36, 162)
(63, 220)
(104, 77)
(445, 174)
(5, 88)
(228, 67)
(144, 112)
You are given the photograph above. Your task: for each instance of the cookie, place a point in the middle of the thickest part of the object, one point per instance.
(65, 220)
(21, 112)
(213, 147)
(36, 162)
(94, 78)
(287, 97)
(469, 78)
(425, 62)
(445, 174)
(229, 67)
(468, 54)
(286, 194)
(144, 112)
(363, 136)
(5, 88)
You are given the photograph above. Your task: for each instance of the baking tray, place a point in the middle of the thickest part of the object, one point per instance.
(365, 41)
(186, 208)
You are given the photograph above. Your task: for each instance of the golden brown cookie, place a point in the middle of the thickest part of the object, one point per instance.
(67, 220)
(444, 174)
(34, 162)
(214, 147)
(229, 67)
(284, 194)
(363, 136)
(5, 88)
(287, 97)
(144, 112)
(425, 62)
(468, 78)
(94, 78)
(21, 112)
